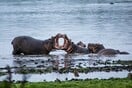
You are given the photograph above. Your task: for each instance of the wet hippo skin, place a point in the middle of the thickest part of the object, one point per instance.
(99, 49)
(81, 44)
(77, 49)
(95, 47)
(71, 47)
(29, 46)
(110, 52)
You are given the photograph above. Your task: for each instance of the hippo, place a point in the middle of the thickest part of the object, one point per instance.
(92, 47)
(81, 44)
(56, 39)
(29, 46)
(110, 52)
(70, 47)
(73, 48)
(99, 49)
(95, 47)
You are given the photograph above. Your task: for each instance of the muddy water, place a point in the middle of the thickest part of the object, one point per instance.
(84, 21)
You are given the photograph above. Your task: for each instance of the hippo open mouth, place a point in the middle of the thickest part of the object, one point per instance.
(57, 44)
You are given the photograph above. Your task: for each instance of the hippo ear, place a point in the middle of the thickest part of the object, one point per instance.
(52, 37)
(118, 51)
(102, 46)
(66, 36)
(58, 34)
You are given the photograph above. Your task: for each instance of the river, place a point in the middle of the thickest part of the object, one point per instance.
(87, 21)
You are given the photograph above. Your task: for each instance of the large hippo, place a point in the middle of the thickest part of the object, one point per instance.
(70, 47)
(28, 46)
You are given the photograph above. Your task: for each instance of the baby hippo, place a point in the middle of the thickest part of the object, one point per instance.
(29, 46)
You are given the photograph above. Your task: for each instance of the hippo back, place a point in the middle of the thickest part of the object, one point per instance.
(108, 52)
(95, 47)
(28, 45)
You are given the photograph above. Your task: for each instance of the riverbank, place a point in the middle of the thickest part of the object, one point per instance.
(88, 83)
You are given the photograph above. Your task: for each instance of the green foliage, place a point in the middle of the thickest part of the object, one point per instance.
(95, 83)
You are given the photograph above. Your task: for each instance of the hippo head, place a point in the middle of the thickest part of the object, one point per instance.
(81, 44)
(95, 47)
(49, 43)
(64, 45)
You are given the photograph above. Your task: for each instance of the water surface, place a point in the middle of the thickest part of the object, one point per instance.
(86, 21)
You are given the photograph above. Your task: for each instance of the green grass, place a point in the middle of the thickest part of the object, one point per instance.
(95, 83)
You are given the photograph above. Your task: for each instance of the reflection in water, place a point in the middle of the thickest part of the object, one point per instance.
(73, 65)
(67, 76)
(67, 64)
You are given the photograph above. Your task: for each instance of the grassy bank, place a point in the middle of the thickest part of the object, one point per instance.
(95, 83)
